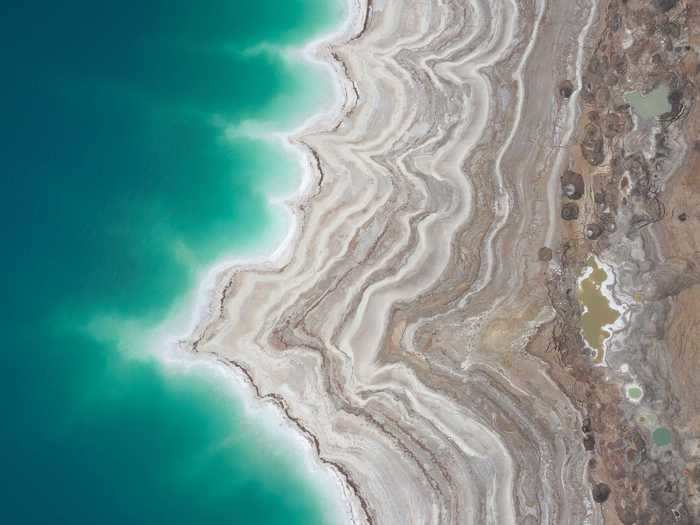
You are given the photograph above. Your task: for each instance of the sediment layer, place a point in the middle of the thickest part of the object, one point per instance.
(404, 333)
(637, 214)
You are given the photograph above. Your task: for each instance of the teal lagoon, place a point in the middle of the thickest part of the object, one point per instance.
(121, 185)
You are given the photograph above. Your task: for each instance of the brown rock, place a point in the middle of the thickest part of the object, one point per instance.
(615, 23)
(620, 65)
(586, 426)
(593, 231)
(672, 29)
(566, 88)
(569, 211)
(572, 185)
(588, 90)
(592, 145)
(613, 124)
(544, 254)
(611, 78)
(596, 65)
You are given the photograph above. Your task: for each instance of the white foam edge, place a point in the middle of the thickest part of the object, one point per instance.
(164, 341)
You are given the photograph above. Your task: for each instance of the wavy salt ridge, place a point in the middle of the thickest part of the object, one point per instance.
(392, 331)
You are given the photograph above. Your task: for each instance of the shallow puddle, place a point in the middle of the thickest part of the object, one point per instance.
(634, 393)
(661, 437)
(598, 312)
(652, 104)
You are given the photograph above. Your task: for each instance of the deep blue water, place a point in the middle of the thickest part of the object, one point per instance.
(118, 186)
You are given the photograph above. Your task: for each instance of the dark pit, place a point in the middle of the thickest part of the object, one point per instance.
(572, 185)
(586, 426)
(569, 212)
(544, 254)
(566, 89)
(589, 442)
(593, 231)
(665, 5)
(600, 492)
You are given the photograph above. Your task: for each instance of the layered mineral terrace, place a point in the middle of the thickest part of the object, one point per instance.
(424, 330)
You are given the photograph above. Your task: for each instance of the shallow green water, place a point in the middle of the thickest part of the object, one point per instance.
(119, 186)
(661, 436)
(652, 104)
(634, 393)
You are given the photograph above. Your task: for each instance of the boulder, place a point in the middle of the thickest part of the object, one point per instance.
(569, 212)
(592, 145)
(566, 88)
(544, 254)
(593, 231)
(572, 185)
(600, 492)
(665, 5)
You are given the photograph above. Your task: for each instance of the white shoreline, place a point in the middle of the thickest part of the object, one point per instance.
(195, 307)
(166, 340)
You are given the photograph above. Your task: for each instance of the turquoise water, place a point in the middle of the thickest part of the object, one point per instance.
(652, 104)
(119, 186)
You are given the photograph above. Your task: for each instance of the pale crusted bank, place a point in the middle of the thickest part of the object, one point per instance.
(393, 331)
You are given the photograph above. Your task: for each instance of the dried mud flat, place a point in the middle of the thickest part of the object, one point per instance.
(423, 332)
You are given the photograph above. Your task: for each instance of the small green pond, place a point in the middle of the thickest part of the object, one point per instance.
(661, 436)
(652, 104)
(598, 311)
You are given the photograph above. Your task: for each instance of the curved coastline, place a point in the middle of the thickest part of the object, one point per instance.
(122, 187)
(177, 348)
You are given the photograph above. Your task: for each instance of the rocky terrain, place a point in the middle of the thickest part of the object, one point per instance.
(424, 329)
(638, 161)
